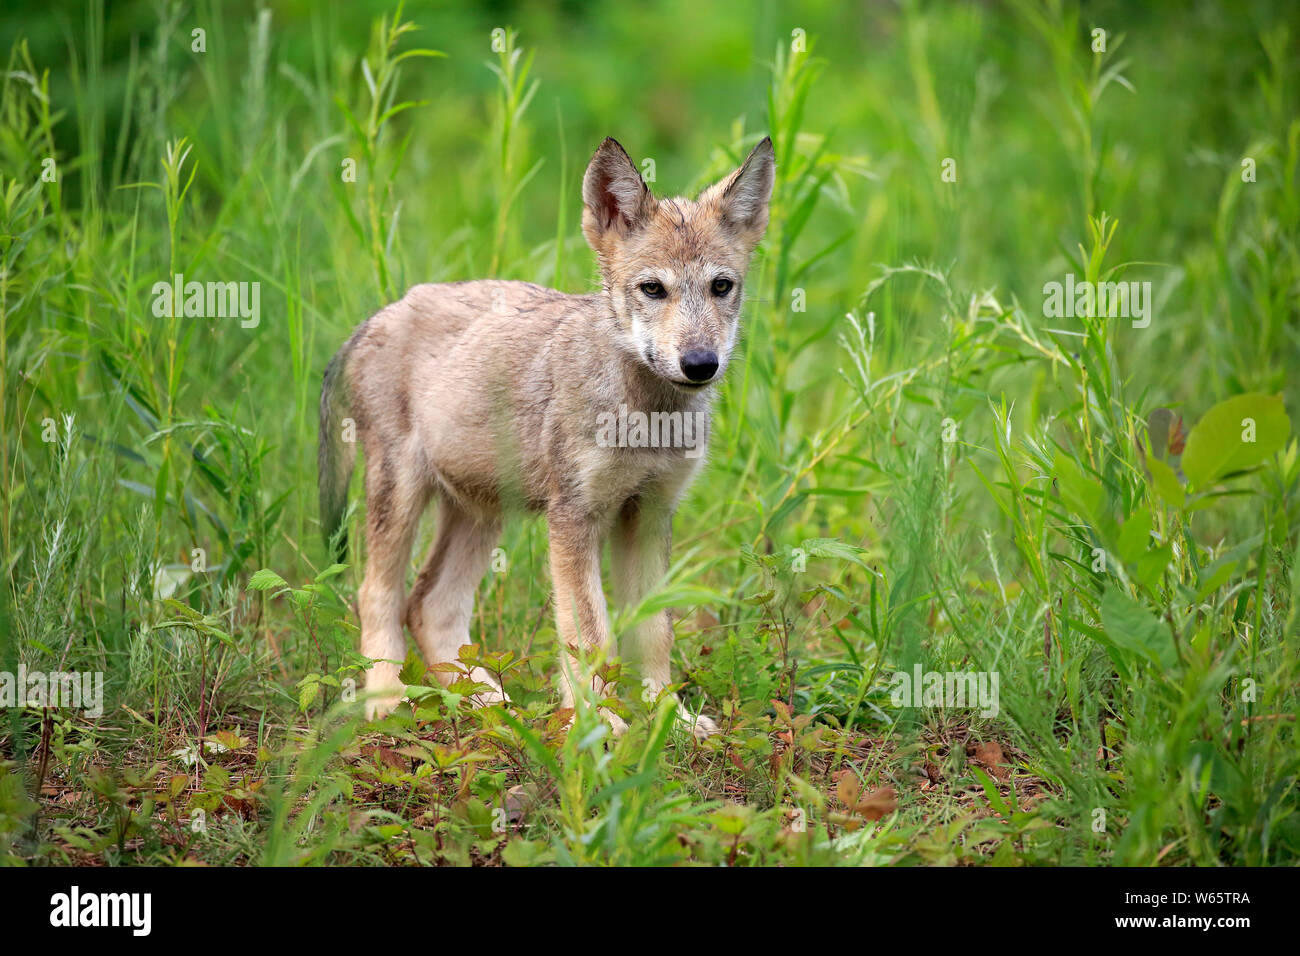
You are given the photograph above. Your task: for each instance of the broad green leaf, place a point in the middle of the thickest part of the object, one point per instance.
(525, 853)
(1135, 631)
(1166, 483)
(1236, 434)
(1081, 493)
(1135, 536)
(1148, 568)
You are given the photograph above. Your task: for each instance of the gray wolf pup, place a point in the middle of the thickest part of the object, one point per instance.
(490, 395)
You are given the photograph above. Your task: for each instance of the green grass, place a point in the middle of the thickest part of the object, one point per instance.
(911, 465)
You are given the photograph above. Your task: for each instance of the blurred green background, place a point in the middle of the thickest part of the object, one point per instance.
(904, 85)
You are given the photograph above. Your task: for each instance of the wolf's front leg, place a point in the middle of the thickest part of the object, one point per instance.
(639, 553)
(582, 622)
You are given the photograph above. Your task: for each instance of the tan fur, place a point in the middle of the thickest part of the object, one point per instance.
(486, 395)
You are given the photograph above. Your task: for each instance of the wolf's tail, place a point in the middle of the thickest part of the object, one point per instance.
(336, 455)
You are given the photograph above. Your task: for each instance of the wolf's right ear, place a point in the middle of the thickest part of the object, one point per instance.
(747, 192)
(615, 197)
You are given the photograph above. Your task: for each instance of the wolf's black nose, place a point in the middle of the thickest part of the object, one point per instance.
(699, 365)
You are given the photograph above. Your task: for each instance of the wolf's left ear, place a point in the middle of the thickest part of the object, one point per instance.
(744, 195)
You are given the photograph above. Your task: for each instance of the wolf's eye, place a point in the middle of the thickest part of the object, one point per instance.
(721, 286)
(653, 290)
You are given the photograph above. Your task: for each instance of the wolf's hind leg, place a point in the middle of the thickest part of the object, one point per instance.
(441, 603)
(393, 505)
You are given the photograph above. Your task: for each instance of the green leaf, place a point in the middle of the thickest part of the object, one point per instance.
(1234, 435)
(996, 800)
(1135, 536)
(265, 580)
(184, 610)
(834, 548)
(1213, 578)
(1133, 630)
(332, 571)
(1082, 493)
(307, 691)
(413, 669)
(525, 853)
(1166, 483)
(1148, 568)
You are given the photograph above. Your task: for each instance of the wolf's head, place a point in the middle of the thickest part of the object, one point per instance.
(674, 269)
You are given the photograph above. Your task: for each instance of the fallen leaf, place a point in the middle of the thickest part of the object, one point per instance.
(877, 803)
(385, 755)
(848, 788)
(991, 758)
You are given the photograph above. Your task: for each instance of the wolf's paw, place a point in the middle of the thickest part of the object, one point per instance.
(617, 725)
(384, 690)
(701, 726)
(378, 708)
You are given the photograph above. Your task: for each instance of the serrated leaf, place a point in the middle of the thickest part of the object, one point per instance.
(332, 571)
(307, 693)
(834, 548)
(265, 580)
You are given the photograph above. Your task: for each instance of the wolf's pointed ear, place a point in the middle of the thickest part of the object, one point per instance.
(614, 194)
(743, 196)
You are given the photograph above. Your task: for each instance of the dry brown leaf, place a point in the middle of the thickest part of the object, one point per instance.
(990, 756)
(848, 788)
(385, 755)
(1177, 437)
(871, 805)
(878, 803)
